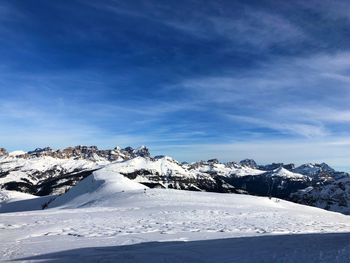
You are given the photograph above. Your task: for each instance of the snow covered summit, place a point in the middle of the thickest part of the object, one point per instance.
(101, 186)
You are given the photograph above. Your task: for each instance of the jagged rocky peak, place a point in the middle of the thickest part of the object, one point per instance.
(84, 152)
(196, 165)
(289, 166)
(213, 161)
(270, 167)
(233, 164)
(3, 152)
(142, 151)
(40, 150)
(314, 169)
(131, 152)
(47, 151)
(249, 163)
(326, 167)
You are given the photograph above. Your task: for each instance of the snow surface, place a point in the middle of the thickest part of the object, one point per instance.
(101, 186)
(10, 196)
(227, 170)
(284, 173)
(109, 218)
(162, 166)
(17, 153)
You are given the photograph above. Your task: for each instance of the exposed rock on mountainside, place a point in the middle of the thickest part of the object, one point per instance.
(334, 196)
(88, 153)
(45, 171)
(3, 152)
(249, 163)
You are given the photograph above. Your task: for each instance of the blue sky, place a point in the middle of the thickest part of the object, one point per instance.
(193, 79)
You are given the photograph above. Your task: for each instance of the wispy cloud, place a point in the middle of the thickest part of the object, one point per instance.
(283, 125)
(297, 96)
(220, 78)
(241, 25)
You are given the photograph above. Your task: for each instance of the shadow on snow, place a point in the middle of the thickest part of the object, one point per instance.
(278, 248)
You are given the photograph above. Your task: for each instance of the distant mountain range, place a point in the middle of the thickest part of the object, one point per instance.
(52, 172)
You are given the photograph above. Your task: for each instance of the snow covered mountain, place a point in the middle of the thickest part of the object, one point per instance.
(107, 217)
(334, 196)
(52, 172)
(45, 171)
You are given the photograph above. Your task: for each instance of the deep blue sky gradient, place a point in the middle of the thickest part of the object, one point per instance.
(192, 79)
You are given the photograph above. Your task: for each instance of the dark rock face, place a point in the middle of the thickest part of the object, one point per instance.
(249, 163)
(213, 161)
(334, 196)
(142, 151)
(267, 185)
(314, 169)
(51, 186)
(61, 183)
(3, 152)
(41, 151)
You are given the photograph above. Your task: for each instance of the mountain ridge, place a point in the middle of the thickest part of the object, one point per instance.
(45, 171)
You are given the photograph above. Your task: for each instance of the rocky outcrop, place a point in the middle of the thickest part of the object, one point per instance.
(3, 152)
(249, 163)
(87, 153)
(334, 196)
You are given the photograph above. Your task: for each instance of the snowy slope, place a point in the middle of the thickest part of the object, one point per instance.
(17, 153)
(106, 209)
(96, 189)
(284, 173)
(225, 169)
(308, 248)
(10, 196)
